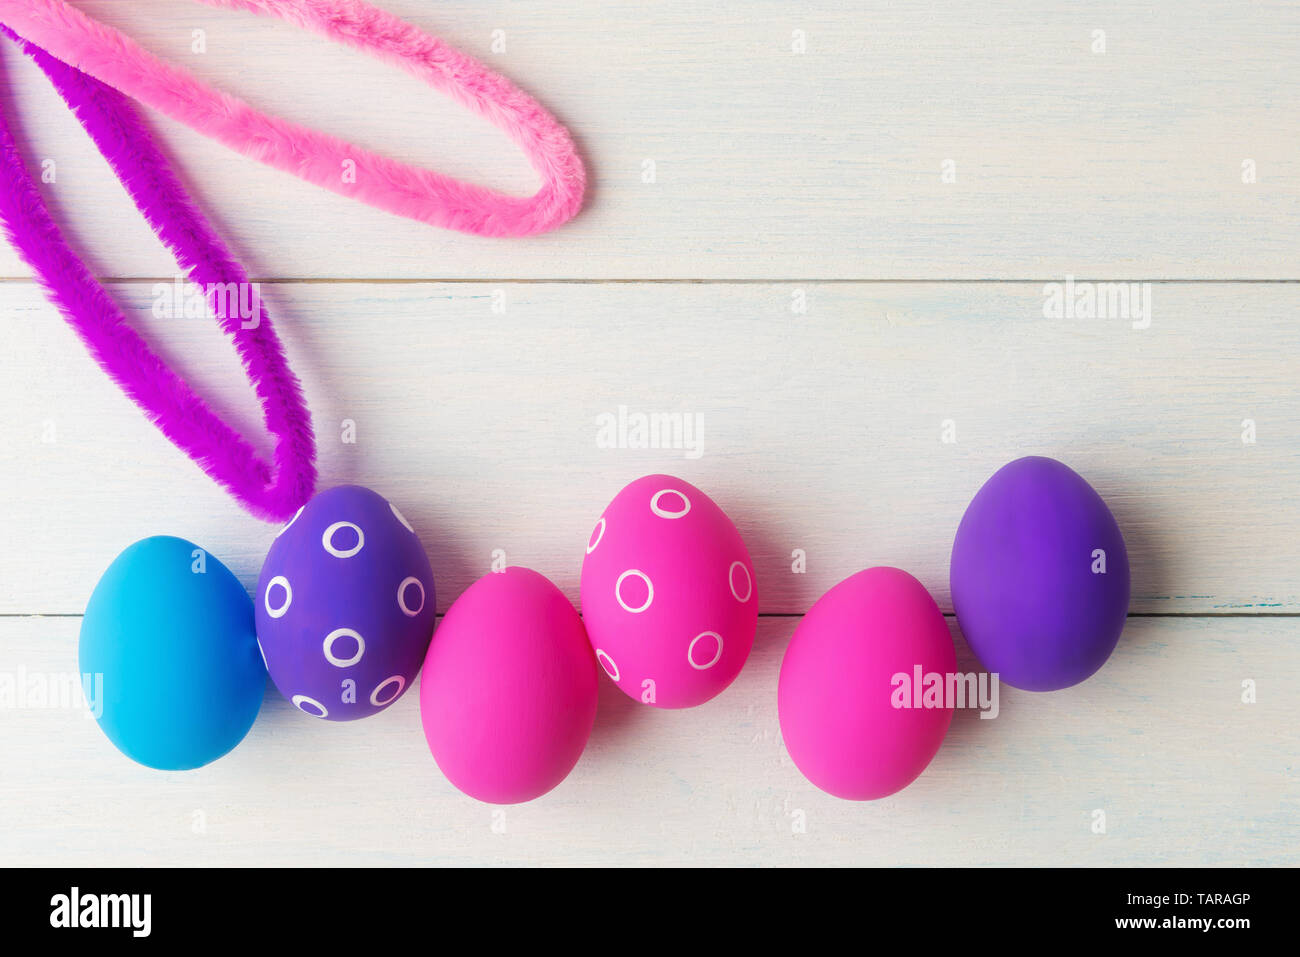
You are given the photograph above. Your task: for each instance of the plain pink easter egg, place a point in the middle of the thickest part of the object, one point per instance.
(668, 594)
(852, 717)
(508, 693)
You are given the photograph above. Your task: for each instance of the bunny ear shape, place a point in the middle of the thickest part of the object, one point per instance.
(115, 59)
(272, 491)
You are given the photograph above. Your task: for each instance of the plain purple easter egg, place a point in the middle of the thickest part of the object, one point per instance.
(1039, 576)
(345, 605)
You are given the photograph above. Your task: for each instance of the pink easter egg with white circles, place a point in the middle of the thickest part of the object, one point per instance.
(668, 594)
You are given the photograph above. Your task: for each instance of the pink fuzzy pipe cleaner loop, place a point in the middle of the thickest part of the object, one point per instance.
(115, 59)
(273, 491)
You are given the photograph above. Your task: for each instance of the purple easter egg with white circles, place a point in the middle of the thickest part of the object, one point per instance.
(345, 605)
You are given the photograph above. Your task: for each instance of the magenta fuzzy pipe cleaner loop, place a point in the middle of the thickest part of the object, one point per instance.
(273, 491)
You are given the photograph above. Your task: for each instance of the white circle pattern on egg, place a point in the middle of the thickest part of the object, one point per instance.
(334, 636)
(599, 533)
(395, 679)
(401, 518)
(665, 513)
(731, 580)
(407, 610)
(328, 540)
(281, 582)
(698, 582)
(301, 699)
(348, 567)
(285, 527)
(650, 590)
(607, 663)
(690, 651)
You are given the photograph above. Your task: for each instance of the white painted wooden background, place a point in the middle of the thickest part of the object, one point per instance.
(780, 177)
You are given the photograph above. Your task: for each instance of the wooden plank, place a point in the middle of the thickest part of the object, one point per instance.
(768, 162)
(821, 431)
(1159, 741)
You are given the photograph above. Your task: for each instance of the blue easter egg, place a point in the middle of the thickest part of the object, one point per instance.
(345, 605)
(169, 642)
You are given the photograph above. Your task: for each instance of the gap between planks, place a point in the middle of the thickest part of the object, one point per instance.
(698, 281)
